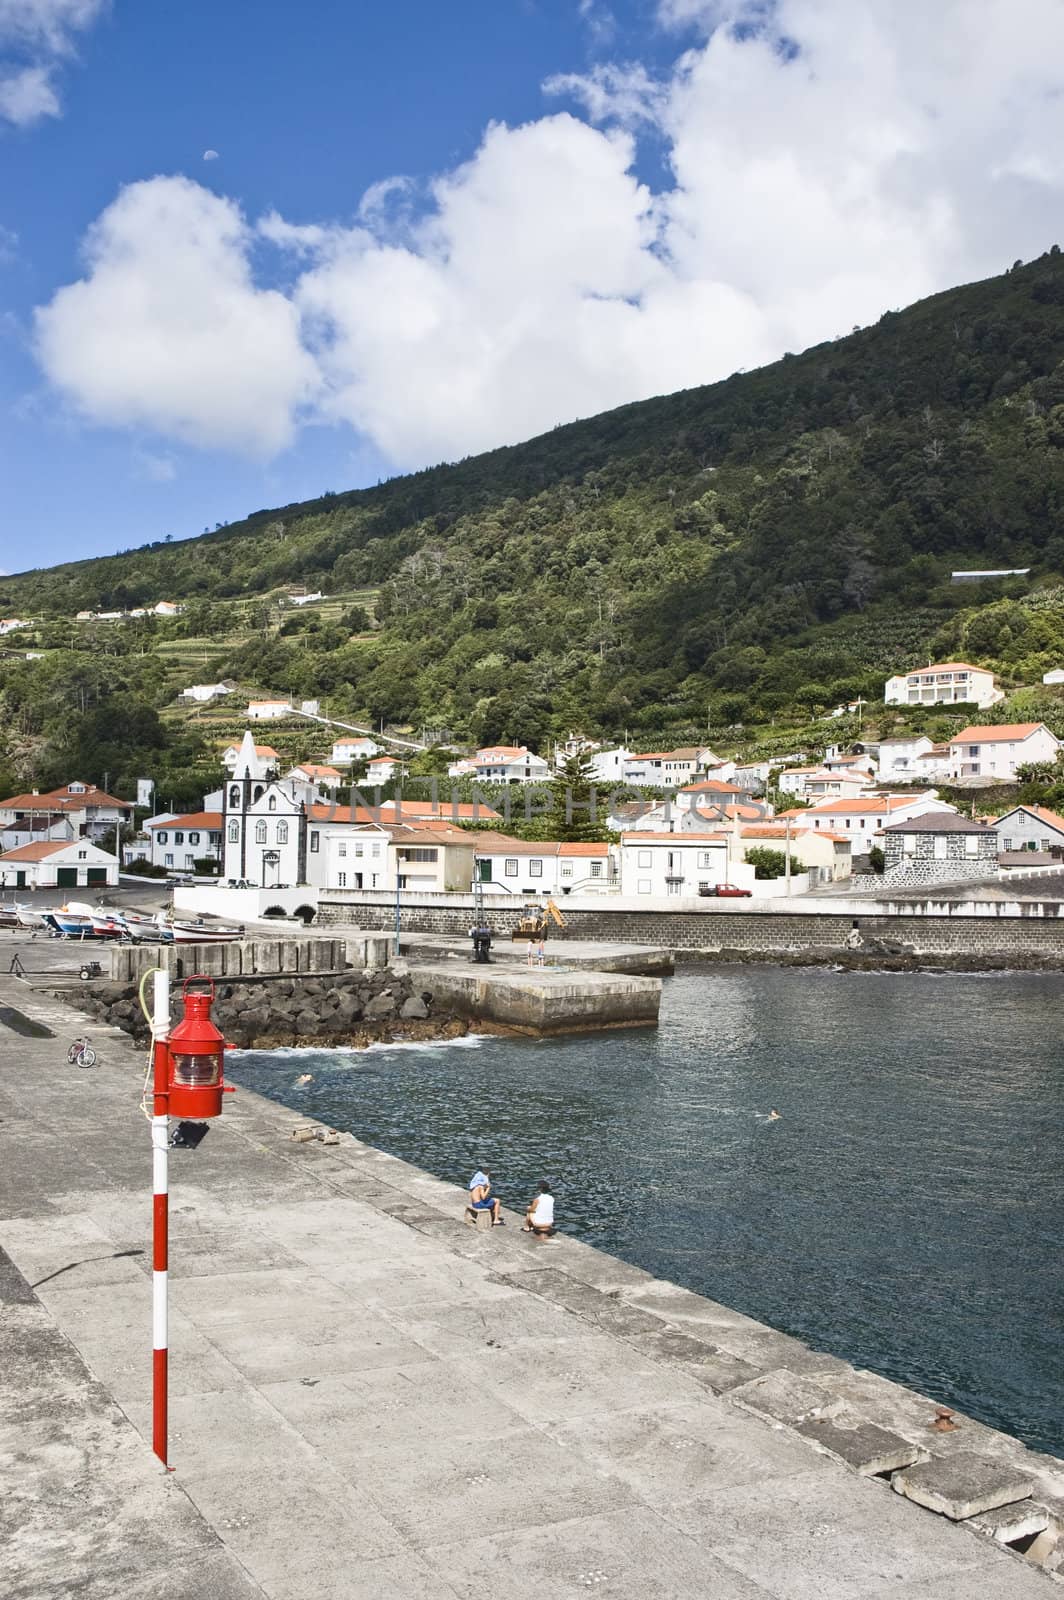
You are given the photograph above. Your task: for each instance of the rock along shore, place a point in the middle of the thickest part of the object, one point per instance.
(348, 1008)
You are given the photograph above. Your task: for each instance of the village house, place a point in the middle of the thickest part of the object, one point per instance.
(305, 599)
(825, 857)
(268, 710)
(518, 866)
(327, 779)
(1029, 828)
(202, 692)
(33, 829)
(382, 769)
(59, 864)
(949, 683)
(358, 747)
(990, 754)
(667, 769)
(1054, 675)
(932, 766)
(819, 783)
(862, 817)
(263, 757)
(668, 865)
(165, 608)
(896, 757)
(9, 624)
(179, 841)
(607, 766)
(936, 848)
(92, 813)
(505, 763)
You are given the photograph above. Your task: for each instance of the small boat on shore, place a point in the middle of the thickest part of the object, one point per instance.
(145, 929)
(201, 932)
(30, 917)
(73, 921)
(8, 917)
(108, 924)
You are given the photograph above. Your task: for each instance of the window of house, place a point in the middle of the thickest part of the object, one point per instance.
(341, 879)
(190, 860)
(179, 838)
(341, 849)
(644, 858)
(567, 869)
(83, 855)
(1047, 844)
(162, 836)
(358, 849)
(234, 832)
(420, 853)
(643, 886)
(596, 869)
(282, 833)
(1009, 844)
(314, 843)
(705, 858)
(509, 867)
(271, 804)
(971, 844)
(169, 861)
(939, 850)
(375, 850)
(908, 844)
(535, 869)
(260, 833)
(193, 838)
(234, 795)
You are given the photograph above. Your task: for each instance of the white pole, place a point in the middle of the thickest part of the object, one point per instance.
(160, 1145)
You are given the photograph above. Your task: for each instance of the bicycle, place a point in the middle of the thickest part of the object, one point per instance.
(81, 1054)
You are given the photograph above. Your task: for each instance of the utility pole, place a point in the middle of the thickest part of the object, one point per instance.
(787, 857)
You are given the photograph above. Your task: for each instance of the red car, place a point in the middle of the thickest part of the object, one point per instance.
(730, 890)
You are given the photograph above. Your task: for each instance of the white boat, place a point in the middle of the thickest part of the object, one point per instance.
(107, 924)
(30, 917)
(74, 920)
(145, 929)
(8, 917)
(198, 932)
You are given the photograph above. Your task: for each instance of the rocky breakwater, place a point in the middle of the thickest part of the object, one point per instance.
(351, 1008)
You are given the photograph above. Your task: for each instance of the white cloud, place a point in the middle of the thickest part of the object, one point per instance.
(826, 162)
(167, 330)
(34, 36)
(27, 95)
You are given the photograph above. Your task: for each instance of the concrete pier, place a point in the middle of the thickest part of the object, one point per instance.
(372, 1402)
(540, 1001)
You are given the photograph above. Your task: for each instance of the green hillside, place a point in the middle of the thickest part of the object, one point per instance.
(743, 555)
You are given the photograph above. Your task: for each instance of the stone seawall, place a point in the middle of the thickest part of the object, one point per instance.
(1028, 938)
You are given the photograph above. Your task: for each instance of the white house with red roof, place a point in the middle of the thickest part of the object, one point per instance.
(268, 710)
(321, 777)
(509, 763)
(58, 864)
(382, 769)
(668, 769)
(862, 816)
(948, 683)
(993, 754)
(179, 841)
(821, 783)
(356, 747)
(92, 812)
(263, 758)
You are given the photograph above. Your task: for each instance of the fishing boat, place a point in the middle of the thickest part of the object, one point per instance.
(8, 917)
(30, 917)
(107, 924)
(200, 932)
(74, 920)
(145, 929)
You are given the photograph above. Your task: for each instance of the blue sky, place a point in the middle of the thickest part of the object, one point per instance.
(591, 203)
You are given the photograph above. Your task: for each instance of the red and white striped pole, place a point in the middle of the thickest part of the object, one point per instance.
(160, 1145)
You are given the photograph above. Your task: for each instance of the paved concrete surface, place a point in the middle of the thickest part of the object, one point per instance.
(372, 1400)
(598, 955)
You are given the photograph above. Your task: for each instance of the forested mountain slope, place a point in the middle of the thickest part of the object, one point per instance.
(765, 545)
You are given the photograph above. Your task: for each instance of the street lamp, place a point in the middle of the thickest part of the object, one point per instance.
(188, 1083)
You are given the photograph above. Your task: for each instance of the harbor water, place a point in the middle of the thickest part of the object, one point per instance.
(905, 1211)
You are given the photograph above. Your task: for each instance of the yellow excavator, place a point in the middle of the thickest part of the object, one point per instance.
(537, 924)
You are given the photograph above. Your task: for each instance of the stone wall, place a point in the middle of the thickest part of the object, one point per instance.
(922, 864)
(1035, 932)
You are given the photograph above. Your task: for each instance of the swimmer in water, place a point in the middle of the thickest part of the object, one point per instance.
(773, 1115)
(304, 1077)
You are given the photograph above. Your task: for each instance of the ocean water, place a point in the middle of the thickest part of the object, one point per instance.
(905, 1212)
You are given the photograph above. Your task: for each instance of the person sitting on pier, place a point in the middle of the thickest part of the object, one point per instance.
(539, 1218)
(481, 1197)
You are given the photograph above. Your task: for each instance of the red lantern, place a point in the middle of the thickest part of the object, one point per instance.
(197, 1052)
